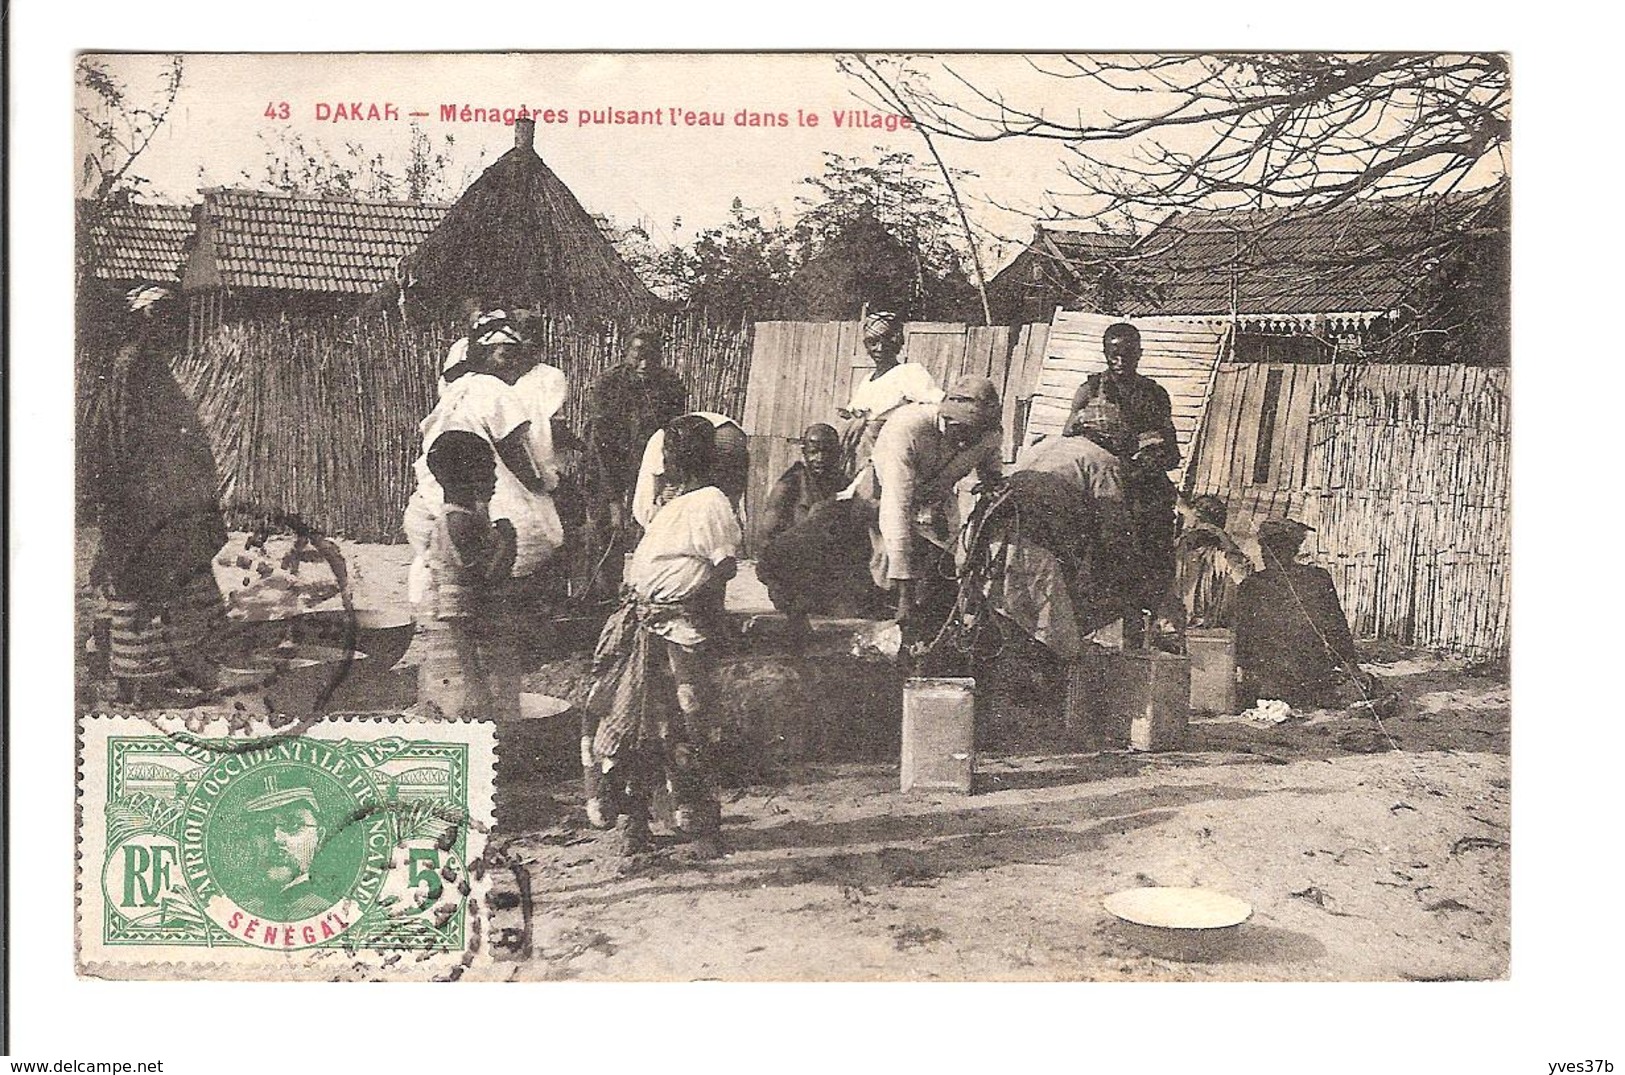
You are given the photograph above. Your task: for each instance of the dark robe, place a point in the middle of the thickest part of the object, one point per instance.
(149, 481)
(1292, 639)
(1151, 496)
(792, 566)
(794, 496)
(623, 412)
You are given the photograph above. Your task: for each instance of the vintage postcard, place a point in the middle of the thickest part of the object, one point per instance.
(793, 516)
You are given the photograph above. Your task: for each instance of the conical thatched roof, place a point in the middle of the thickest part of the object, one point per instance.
(518, 236)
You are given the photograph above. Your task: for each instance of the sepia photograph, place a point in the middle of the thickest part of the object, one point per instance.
(883, 517)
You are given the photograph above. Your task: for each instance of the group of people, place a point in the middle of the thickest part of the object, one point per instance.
(870, 508)
(867, 517)
(1079, 532)
(486, 532)
(1085, 529)
(1082, 526)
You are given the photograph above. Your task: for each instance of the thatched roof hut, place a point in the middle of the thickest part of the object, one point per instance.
(518, 236)
(864, 264)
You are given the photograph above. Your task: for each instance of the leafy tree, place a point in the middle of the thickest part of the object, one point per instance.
(116, 127)
(738, 272)
(664, 269)
(907, 196)
(733, 273)
(431, 171)
(901, 217)
(893, 213)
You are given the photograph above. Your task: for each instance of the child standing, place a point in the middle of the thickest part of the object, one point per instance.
(646, 722)
(467, 560)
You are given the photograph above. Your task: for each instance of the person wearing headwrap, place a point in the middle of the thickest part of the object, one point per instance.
(889, 386)
(1208, 567)
(1149, 451)
(1293, 641)
(149, 488)
(467, 354)
(508, 399)
(919, 457)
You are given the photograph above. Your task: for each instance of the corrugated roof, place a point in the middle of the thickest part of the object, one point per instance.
(296, 243)
(1361, 256)
(139, 241)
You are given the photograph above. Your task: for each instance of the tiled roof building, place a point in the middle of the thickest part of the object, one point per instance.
(1362, 259)
(280, 242)
(137, 242)
(1062, 266)
(1297, 283)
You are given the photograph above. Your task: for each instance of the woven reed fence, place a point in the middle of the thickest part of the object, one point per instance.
(1407, 485)
(318, 419)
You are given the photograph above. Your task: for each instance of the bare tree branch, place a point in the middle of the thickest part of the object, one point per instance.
(1188, 131)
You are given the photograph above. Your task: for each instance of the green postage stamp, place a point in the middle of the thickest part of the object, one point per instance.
(349, 845)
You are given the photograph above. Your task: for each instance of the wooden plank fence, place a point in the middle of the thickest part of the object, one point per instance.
(802, 372)
(1404, 472)
(1179, 354)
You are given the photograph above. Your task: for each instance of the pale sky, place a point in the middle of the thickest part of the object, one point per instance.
(220, 129)
(628, 172)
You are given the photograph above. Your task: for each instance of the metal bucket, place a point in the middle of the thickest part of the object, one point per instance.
(1213, 669)
(939, 734)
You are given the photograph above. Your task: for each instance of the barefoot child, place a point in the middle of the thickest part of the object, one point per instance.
(645, 723)
(467, 560)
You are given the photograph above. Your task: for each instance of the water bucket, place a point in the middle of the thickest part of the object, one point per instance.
(1213, 669)
(1127, 699)
(1150, 693)
(939, 734)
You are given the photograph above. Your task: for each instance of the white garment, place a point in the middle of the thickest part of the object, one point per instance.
(455, 354)
(907, 382)
(492, 409)
(687, 538)
(653, 466)
(542, 392)
(477, 403)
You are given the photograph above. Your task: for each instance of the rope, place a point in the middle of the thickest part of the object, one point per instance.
(969, 598)
(1356, 675)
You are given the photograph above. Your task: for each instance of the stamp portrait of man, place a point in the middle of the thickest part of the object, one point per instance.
(288, 833)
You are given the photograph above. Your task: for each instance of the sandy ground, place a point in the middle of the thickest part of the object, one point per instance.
(1367, 851)
(1363, 859)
